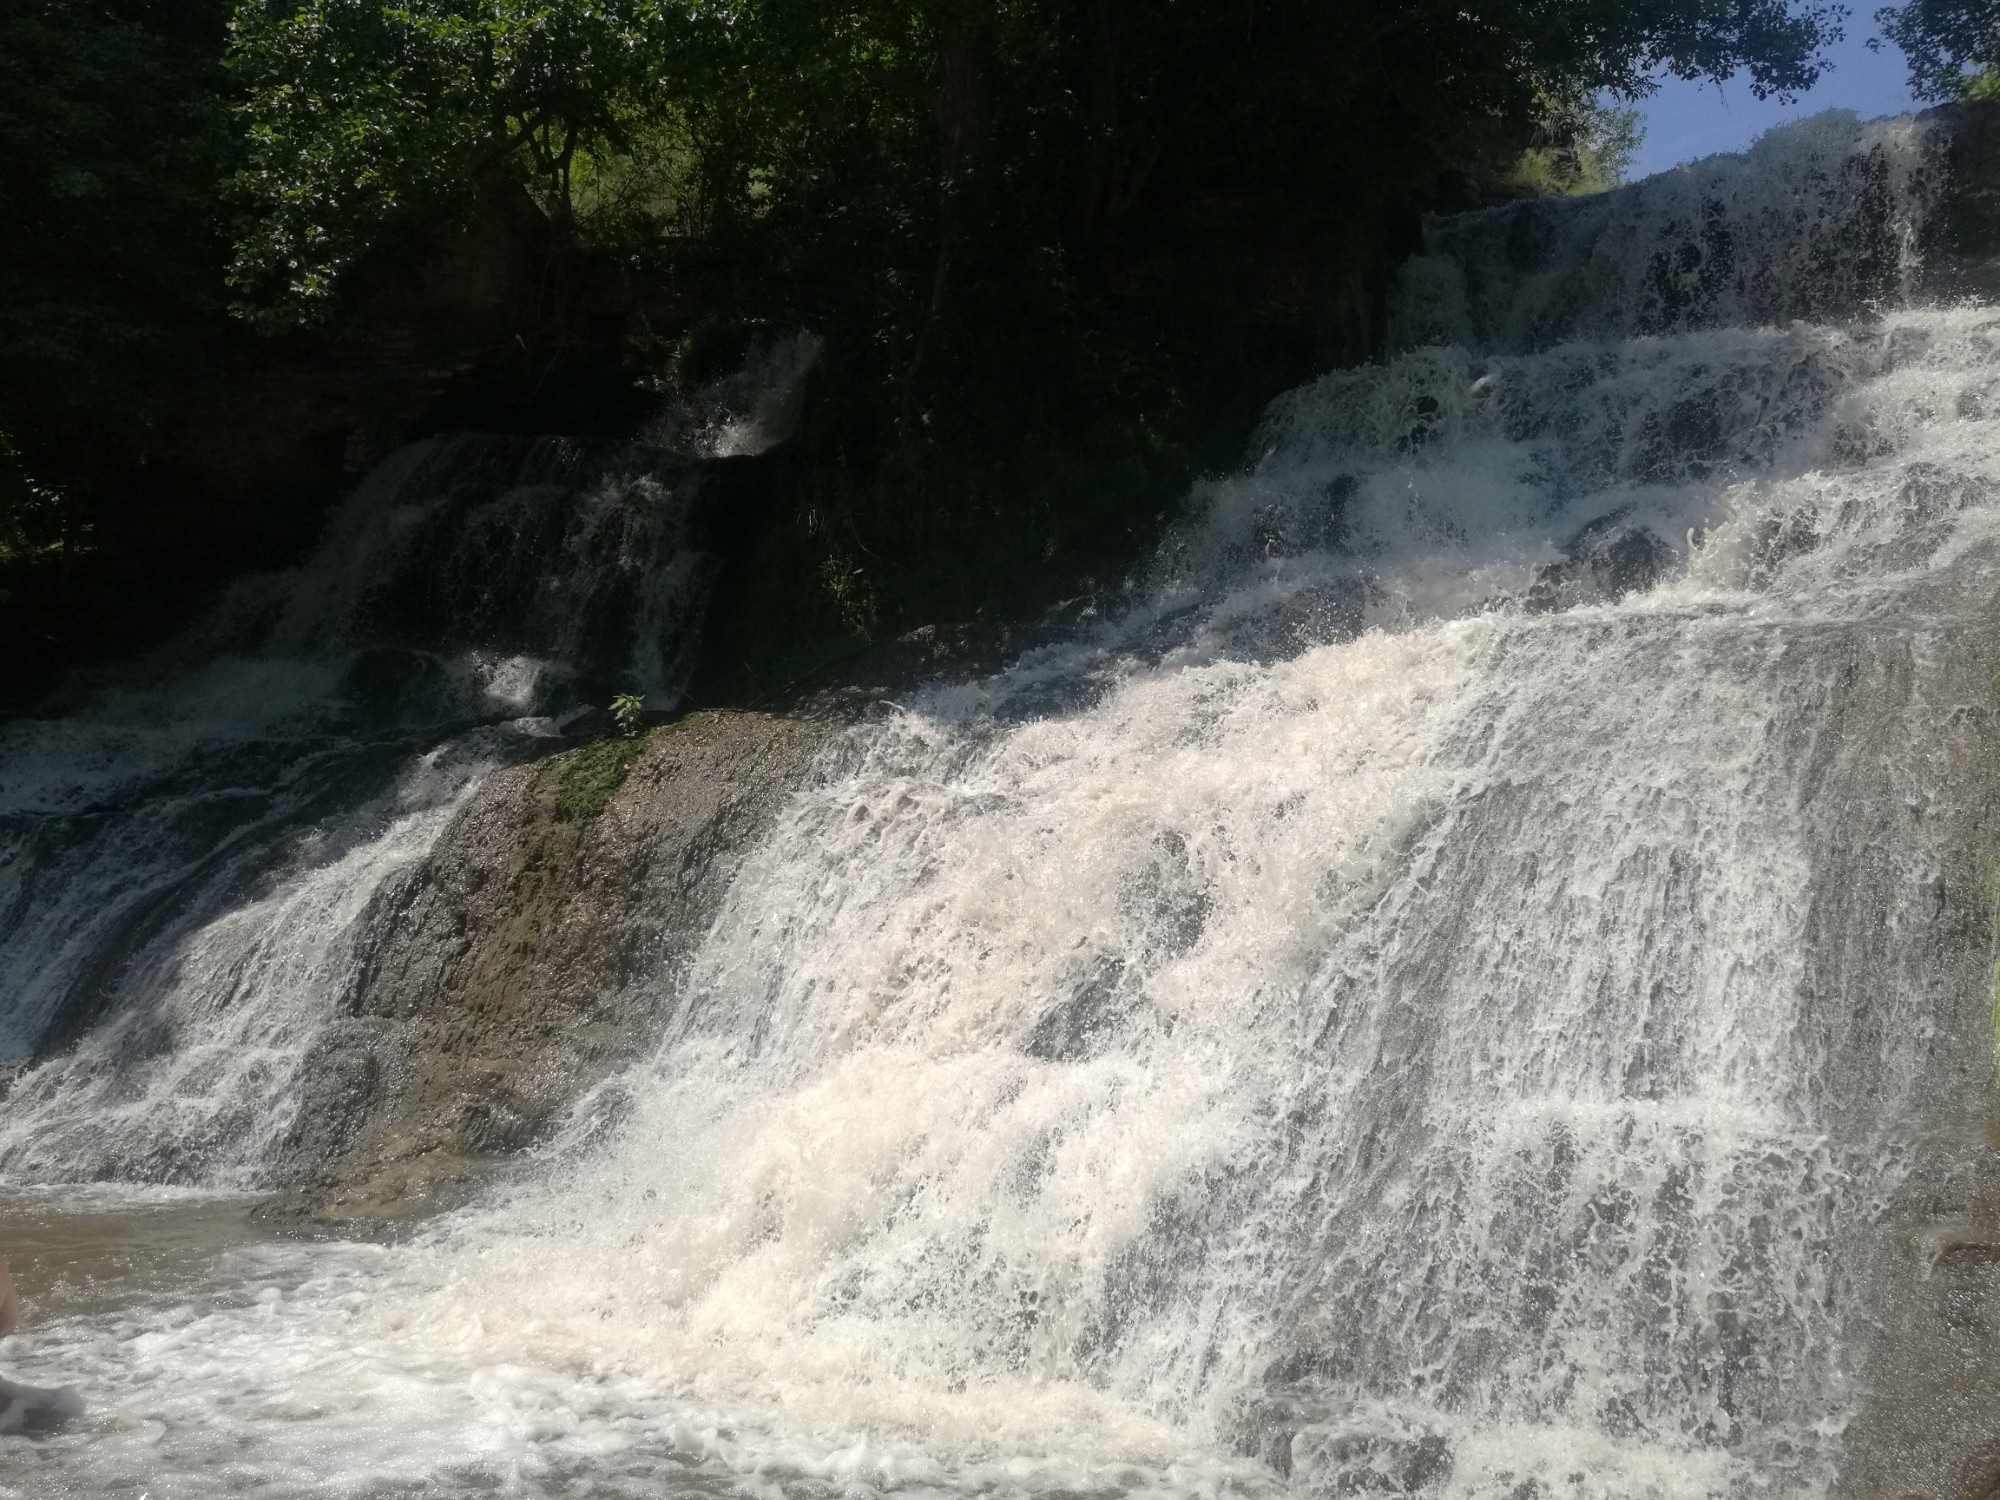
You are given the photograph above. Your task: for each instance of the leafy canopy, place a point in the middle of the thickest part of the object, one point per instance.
(113, 135)
(357, 110)
(1953, 46)
(1051, 245)
(1059, 251)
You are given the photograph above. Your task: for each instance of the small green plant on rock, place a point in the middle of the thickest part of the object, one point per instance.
(628, 712)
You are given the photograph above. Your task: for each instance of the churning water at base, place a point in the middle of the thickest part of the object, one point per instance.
(1444, 995)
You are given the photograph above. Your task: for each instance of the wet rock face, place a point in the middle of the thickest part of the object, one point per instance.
(1324, 1447)
(1601, 564)
(1335, 1463)
(528, 957)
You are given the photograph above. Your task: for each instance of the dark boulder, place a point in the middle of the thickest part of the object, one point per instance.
(1601, 564)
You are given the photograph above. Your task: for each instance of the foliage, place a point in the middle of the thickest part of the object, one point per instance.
(1059, 251)
(628, 713)
(356, 110)
(1953, 46)
(1586, 151)
(897, 126)
(31, 514)
(1037, 237)
(113, 135)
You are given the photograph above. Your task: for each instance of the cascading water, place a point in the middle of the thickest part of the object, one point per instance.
(188, 859)
(1450, 992)
(1821, 220)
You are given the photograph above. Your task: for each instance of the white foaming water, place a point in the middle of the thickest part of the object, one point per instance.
(1434, 998)
(750, 410)
(1816, 220)
(190, 861)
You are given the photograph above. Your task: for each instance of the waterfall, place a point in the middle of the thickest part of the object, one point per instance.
(1461, 986)
(192, 856)
(1820, 220)
(1436, 994)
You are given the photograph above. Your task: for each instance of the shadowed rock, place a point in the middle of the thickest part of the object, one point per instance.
(527, 957)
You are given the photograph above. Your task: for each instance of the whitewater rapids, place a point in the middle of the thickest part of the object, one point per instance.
(1444, 991)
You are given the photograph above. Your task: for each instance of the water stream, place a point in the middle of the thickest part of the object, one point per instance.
(1461, 987)
(190, 856)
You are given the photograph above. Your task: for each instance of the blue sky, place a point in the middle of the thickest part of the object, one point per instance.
(1686, 120)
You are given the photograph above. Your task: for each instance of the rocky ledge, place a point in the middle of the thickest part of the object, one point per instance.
(528, 956)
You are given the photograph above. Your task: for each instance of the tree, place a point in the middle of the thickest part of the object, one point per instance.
(1953, 46)
(359, 110)
(356, 111)
(1580, 151)
(1059, 251)
(113, 138)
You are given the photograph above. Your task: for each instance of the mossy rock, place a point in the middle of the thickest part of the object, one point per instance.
(581, 783)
